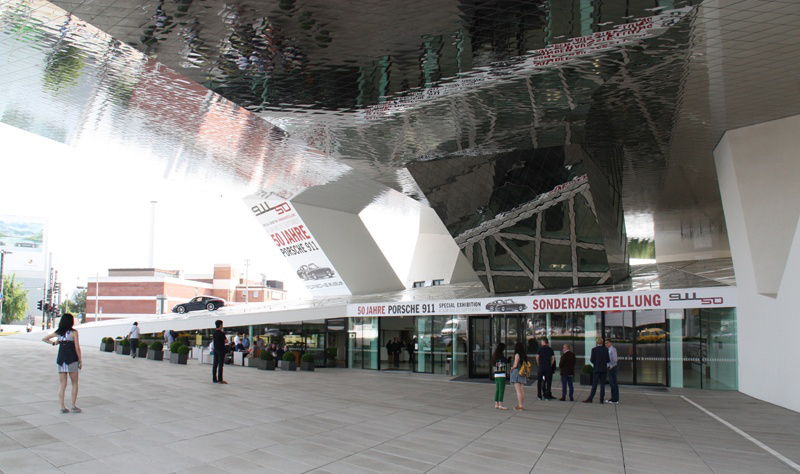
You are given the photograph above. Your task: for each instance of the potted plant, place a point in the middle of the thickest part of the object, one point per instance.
(307, 362)
(265, 361)
(287, 362)
(156, 351)
(179, 354)
(123, 346)
(107, 344)
(142, 349)
(586, 374)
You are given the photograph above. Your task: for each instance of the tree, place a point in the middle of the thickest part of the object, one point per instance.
(75, 304)
(15, 299)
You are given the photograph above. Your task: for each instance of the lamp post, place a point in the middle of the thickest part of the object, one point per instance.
(2, 295)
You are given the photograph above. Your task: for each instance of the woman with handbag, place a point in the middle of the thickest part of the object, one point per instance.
(519, 373)
(499, 369)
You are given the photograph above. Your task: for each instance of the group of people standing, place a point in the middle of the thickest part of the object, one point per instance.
(519, 369)
(394, 349)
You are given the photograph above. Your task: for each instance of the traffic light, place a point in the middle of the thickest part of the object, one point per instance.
(39, 305)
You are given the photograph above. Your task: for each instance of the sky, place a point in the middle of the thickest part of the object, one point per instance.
(95, 198)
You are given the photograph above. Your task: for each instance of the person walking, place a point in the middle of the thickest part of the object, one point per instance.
(237, 342)
(566, 366)
(545, 358)
(612, 372)
(599, 360)
(500, 373)
(220, 345)
(69, 359)
(519, 373)
(133, 336)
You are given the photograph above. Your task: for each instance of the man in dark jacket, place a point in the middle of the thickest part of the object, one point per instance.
(220, 345)
(567, 368)
(600, 362)
(545, 360)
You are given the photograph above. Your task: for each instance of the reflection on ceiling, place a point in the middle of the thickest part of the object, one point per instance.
(287, 94)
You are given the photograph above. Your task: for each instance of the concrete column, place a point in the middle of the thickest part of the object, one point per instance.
(758, 168)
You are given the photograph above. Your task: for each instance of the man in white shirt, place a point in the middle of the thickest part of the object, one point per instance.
(133, 336)
(612, 372)
(237, 342)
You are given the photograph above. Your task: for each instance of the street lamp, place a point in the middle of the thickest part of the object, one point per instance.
(2, 296)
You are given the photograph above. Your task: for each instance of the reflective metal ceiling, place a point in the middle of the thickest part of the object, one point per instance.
(374, 85)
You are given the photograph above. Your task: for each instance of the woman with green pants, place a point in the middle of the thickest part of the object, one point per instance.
(500, 373)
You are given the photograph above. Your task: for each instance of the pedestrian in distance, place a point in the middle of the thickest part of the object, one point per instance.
(500, 373)
(220, 344)
(599, 360)
(520, 371)
(133, 336)
(566, 366)
(612, 372)
(69, 359)
(545, 358)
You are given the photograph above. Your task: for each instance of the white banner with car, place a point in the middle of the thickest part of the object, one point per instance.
(296, 243)
(711, 297)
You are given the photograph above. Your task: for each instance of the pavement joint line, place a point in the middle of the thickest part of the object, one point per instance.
(746, 436)
(619, 432)
(566, 415)
(677, 430)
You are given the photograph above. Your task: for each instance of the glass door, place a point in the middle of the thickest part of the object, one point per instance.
(651, 348)
(480, 342)
(423, 345)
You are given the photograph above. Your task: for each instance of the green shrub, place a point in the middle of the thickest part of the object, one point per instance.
(157, 346)
(125, 342)
(266, 355)
(183, 350)
(184, 340)
(587, 369)
(174, 346)
(288, 357)
(142, 345)
(107, 340)
(307, 357)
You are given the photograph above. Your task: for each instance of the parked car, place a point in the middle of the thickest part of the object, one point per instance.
(505, 305)
(209, 303)
(313, 272)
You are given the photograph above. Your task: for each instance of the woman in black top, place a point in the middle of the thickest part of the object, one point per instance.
(499, 372)
(69, 360)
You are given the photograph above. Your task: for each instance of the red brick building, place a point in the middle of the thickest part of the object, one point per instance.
(127, 291)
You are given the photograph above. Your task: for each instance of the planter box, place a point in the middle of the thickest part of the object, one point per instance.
(206, 357)
(268, 365)
(106, 347)
(178, 358)
(155, 355)
(238, 358)
(586, 379)
(123, 350)
(262, 364)
(307, 366)
(254, 362)
(142, 352)
(167, 354)
(287, 365)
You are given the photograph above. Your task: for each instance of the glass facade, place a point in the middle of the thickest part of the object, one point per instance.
(693, 348)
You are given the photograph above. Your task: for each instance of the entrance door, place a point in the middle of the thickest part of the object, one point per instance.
(650, 348)
(480, 350)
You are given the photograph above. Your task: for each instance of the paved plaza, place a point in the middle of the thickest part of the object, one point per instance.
(146, 416)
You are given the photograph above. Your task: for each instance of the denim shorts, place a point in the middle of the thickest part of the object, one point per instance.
(517, 378)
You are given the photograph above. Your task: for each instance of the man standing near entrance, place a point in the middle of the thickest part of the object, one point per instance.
(133, 335)
(220, 345)
(567, 368)
(612, 372)
(599, 360)
(545, 360)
